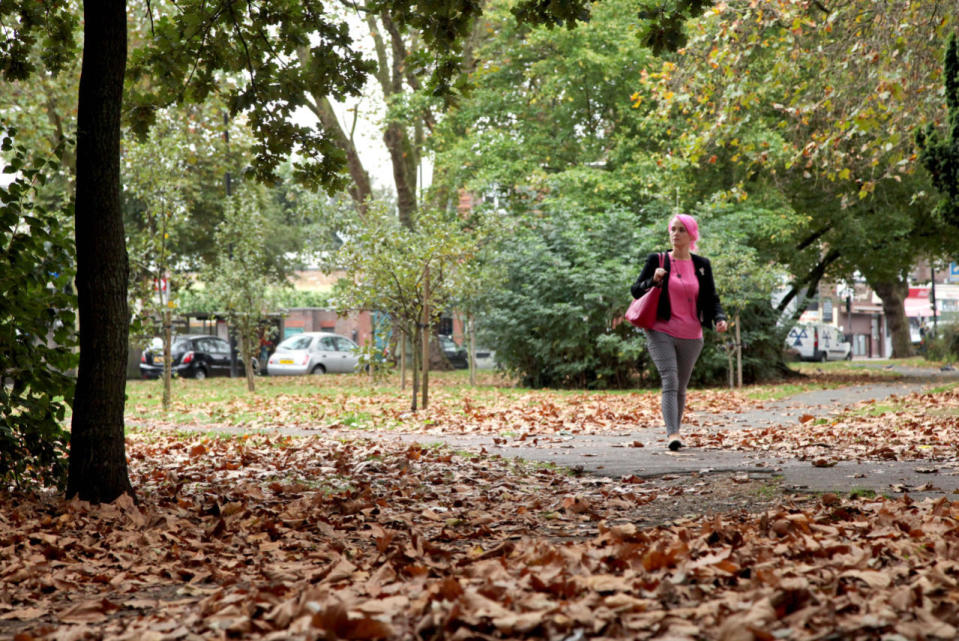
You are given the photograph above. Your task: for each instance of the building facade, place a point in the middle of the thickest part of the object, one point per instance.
(857, 311)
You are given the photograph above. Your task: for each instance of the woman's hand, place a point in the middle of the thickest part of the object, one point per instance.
(721, 326)
(658, 275)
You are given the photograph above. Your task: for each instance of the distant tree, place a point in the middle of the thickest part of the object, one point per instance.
(42, 107)
(411, 274)
(156, 175)
(238, 282)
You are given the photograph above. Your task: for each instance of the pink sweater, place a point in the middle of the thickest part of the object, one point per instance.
(683, 290)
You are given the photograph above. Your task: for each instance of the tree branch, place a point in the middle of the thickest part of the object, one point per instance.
(811, 281)
(813, 238)
(246, 50)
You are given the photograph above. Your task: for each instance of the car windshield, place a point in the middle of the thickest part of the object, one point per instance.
(296, 343)
(345, 344)
(328, 343)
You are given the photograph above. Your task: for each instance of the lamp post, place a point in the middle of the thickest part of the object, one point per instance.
(846, 293)
(932, 300)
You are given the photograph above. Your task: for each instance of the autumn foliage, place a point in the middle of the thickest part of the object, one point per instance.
(318, 539)
(343, 535)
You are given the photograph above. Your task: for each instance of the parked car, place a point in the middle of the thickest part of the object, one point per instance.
(313, 353)
(816, 342)
(193, 356)
(456, 355)
(485, 358)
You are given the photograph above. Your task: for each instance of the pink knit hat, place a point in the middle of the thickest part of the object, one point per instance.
(691, 227)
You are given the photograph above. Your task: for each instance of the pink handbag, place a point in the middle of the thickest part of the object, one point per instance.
(642, 311)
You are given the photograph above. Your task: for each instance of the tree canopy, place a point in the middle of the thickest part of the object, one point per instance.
(940, 153)
(818, 103)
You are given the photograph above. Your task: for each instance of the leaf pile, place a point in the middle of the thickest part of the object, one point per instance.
(317, 539)
(450, 411)
(925, 426)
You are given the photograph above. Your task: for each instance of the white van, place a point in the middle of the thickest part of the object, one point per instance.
(815, 342)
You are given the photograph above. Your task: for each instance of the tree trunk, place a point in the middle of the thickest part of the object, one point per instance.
(167, 360)
(402, 346)
(471, 325)
(98, 466)
(416, 356)
(404, 172)
(893, 295)
(246, 353)
(404, 155)
(360, 188)
(427, 334)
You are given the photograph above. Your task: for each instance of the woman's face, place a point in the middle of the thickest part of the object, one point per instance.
(678, 235)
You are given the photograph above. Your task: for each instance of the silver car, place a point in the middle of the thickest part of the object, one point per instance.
(313, 353)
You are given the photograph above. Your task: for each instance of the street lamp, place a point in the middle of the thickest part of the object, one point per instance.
(932, 298)
(846, 293)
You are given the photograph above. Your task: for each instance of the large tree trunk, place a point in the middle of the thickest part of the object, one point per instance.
(402, 155)
(392, 69)
(360, 188)
(893, 295)
(98, 467)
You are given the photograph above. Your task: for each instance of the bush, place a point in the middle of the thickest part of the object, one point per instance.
(945, 346)
(37, 327)
(556, 320)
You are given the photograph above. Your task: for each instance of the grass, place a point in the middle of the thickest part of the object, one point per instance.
(835, 374)
(875, 409)
(358, 402)
(943, 388)
(869, 369)
(770, 490)
(200, 400)
(874, 367)
(775, 392)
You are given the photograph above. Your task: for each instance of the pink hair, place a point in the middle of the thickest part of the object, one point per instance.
(691, 227)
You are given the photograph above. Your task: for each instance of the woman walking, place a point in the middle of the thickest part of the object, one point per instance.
(688, 302)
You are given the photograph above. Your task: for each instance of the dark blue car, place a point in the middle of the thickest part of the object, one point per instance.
(194, 356)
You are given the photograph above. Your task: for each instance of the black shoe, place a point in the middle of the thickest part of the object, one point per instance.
(675, 443)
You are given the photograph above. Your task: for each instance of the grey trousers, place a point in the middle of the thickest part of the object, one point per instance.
(674, 358)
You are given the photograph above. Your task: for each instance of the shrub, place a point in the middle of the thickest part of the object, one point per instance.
(556, 320)
(37, 326)
(945, 346)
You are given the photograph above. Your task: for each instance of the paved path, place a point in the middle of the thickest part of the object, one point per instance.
(643, 454)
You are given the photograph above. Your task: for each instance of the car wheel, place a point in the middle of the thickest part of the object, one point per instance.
(849, 355)
(319, 369)
(822, 357)
(199, 374)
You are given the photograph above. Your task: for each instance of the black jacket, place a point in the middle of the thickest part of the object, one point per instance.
(708, 307)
